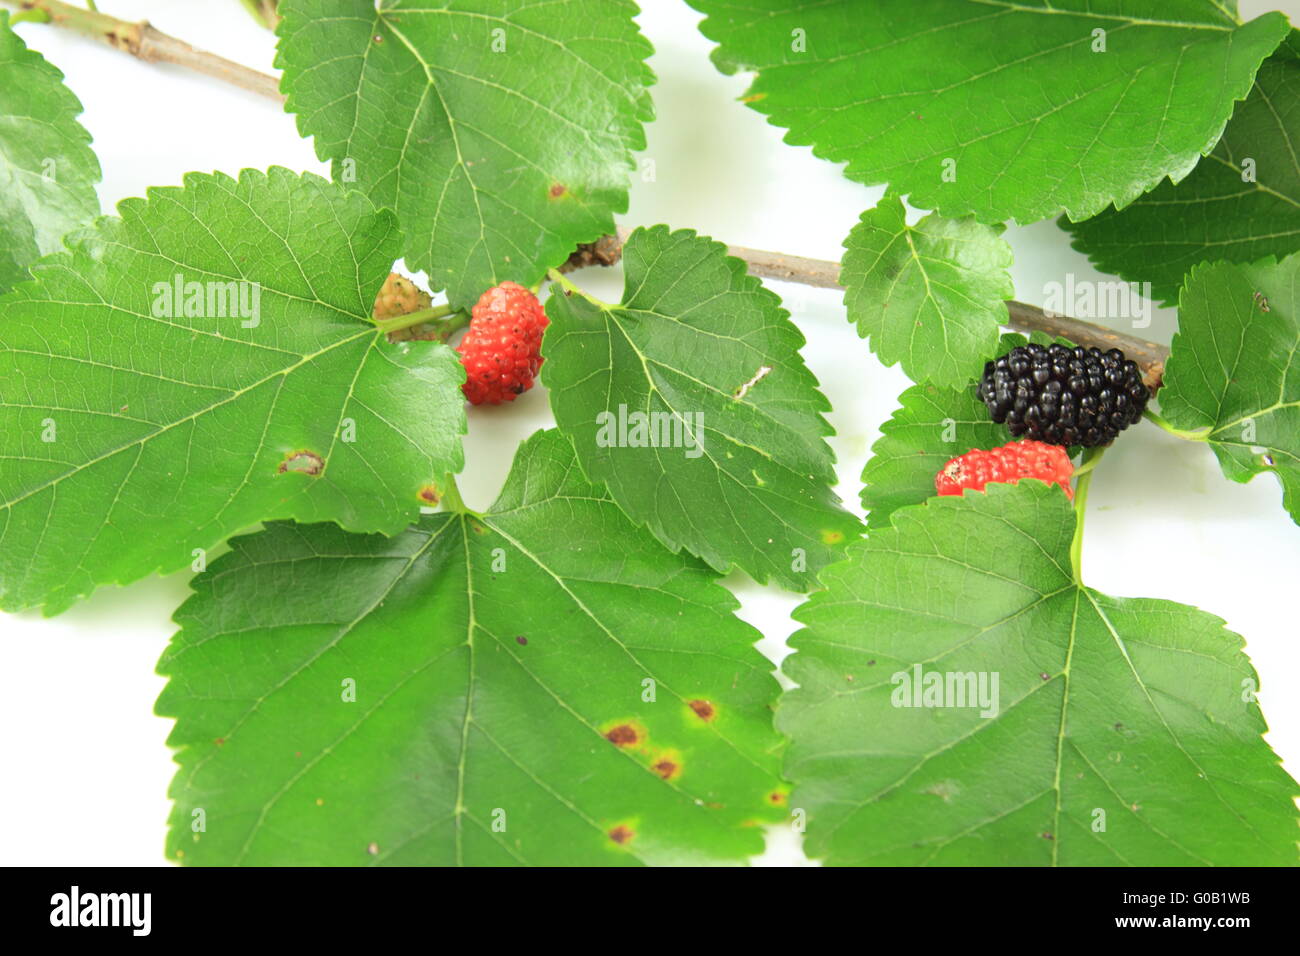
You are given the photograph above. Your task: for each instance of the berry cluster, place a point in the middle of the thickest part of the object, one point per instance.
(1065, 396)
(501, 351)
(1010, 463)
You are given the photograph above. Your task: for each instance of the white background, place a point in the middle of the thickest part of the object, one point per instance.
(85, 767)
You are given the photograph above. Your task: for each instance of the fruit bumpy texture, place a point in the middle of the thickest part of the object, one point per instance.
(1010, 463)
(399, 296)
(501, 351)
(1064, 396)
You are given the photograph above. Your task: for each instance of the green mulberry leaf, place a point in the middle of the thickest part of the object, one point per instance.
(1001, 110)
(1232, 377)
(48, 171)
(691, 403)
(501, 133)
(1123, 731)
(205, 362)
(1240, 203)
(931, 296)
(478, 690)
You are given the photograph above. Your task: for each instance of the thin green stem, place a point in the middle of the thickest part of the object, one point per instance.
(451, 499)
(560, 279)
(265, 12)
(1084, 471)
(254, 7)
(446, 318)
(1087, 464)
(29, 16)
(1200, 434)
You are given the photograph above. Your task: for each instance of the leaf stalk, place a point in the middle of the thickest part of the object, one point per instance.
(451, 499)
(1084, 473)
(560, 279)
(444, 318)
(1199, 434)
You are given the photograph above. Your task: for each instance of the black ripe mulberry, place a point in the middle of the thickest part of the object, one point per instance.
(1064, 396)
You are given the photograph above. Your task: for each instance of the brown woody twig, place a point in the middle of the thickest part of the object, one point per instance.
(153, 46)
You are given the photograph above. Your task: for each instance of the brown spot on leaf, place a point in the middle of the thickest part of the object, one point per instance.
(557, 190)
(667, 768)
(303, 462)
(624, 735)
(703, 709)
(429, 495)
(621, 834)
(219, 741)
(776, 798)
(521, 640)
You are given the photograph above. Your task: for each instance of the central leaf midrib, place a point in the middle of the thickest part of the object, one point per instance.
(471, 621)
(1061, 728)
(1019, 8)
